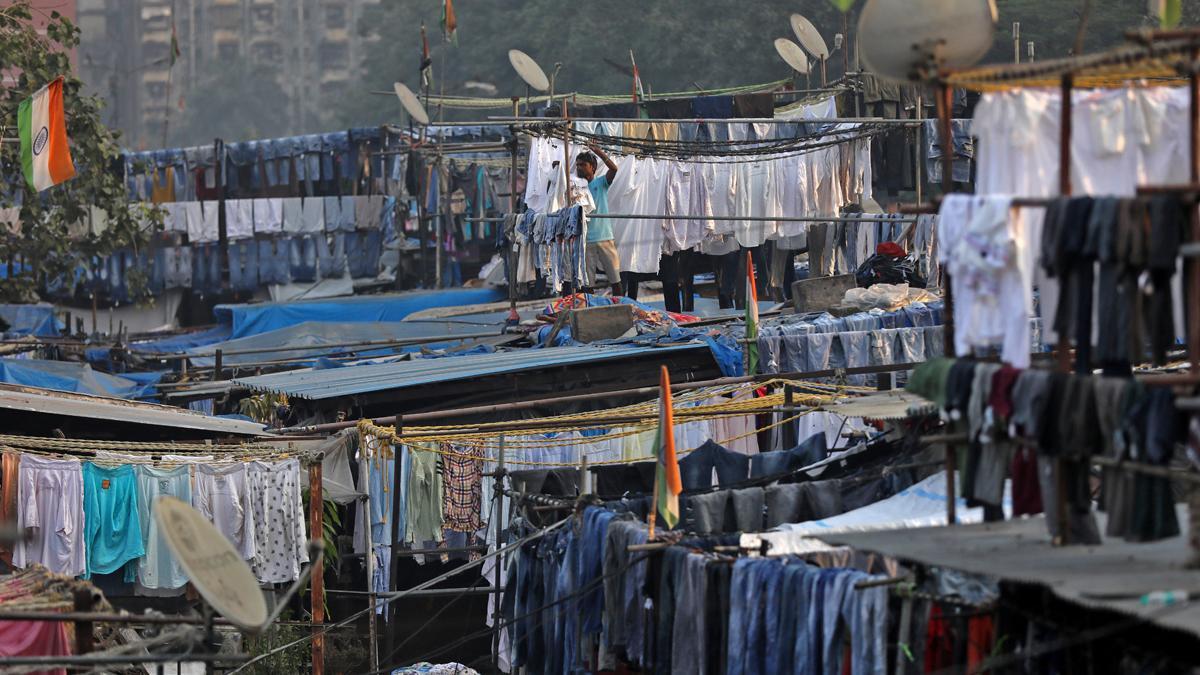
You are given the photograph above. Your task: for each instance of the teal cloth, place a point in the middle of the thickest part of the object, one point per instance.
(158, 568)
(599, 229)
(111, 523)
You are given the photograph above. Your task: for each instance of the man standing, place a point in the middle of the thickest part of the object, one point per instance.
(601, 250)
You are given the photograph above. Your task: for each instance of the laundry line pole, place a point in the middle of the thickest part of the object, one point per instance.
(785, 219)
(702, 120)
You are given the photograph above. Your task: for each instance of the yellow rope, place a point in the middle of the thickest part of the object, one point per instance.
(438, 439)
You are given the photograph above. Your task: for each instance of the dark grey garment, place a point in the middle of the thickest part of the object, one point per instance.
(706, 512)
(1081, 521)
(1029, 396)
(616, 541)
(994, 460)
(748, 509)
(802, 502)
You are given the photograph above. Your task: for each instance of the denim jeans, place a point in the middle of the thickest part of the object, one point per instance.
(690, 625)
(274, 263)
(206, 268)
(595, 529)
(748, 509)
(669, 592)
(810, 451)
(302, 257)
(331, 255)
(243, 265)
(856, 349)
(697, 467)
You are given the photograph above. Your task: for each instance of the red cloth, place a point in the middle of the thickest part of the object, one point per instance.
(980, 633)
(939, 642)
(1026, 491)
(1001, 397)
(35, 638)
(890, 248)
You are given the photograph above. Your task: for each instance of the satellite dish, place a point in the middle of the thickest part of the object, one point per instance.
(212, 564)
(809, 37)
(895, 36)
(529, 70)
(791, 53)
(411, 103)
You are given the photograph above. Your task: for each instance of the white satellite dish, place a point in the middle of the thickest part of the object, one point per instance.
(411, 103)
(809, 37)
(529, 70)
(895, 37)
(214, 567)
(792, 54)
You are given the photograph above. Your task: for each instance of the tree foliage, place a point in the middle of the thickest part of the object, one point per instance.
(31, 60)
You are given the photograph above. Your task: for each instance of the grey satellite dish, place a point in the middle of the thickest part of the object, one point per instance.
(896, 37)
(411, 103)
(809, 37)
(529, 70)
(792, 54)
(223, 579)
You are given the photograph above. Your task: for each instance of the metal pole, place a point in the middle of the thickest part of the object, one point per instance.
(397, 536)
(512, 208)
(497, 516)
(1016, 36)
(372, 619)
(316, 527)
(919, 151)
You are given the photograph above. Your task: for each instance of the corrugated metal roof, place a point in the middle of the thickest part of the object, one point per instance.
(68, 404)
(336, 382)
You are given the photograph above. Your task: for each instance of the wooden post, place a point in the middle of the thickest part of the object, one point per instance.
(316, 530)
(84, 638)
(945, 102)
(1064, 342)
(789, 430)
(217, 365)
(1193, 279)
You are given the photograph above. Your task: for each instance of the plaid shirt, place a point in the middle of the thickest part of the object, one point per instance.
(461, 493)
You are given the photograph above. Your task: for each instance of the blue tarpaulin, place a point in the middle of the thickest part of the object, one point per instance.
(324, 338)
(30, 319)
(70, 376)
(255, 319)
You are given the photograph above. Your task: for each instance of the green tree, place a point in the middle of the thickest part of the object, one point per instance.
(32, 59)
(235, 102)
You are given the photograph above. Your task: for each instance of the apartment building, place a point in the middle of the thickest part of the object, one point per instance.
(312, 47)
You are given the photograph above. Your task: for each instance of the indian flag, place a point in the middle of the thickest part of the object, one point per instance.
(45, 157)
(668, 484)
(751, 317)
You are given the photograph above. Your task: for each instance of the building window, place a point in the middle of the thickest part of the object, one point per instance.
(335, 16)
(334, 56)
(264, 17)
(227, 51)
(267, 52)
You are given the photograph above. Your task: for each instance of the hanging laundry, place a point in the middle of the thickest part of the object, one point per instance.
(113, 534)
(424, 500)
(50, 508)
(223, 497)
(158, 569)
(281, 545)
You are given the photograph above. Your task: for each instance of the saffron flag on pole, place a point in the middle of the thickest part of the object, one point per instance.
(449, 21)
(45, 157)
(751, 318)
(669, 484)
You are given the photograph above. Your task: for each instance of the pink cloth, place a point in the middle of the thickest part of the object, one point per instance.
(35, 638)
